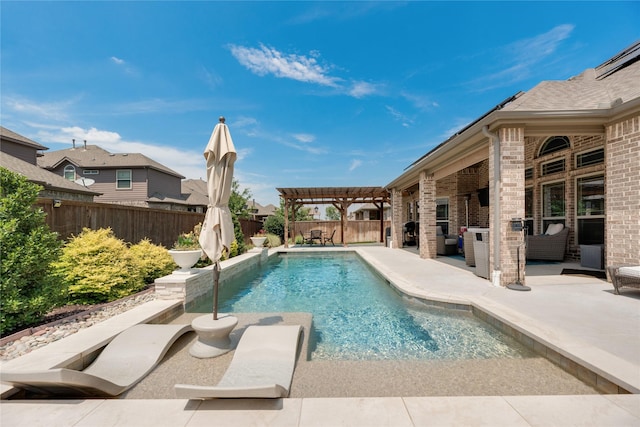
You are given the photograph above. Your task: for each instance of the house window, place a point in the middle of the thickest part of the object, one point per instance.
(528, 209)
(590, 210)
(123, 179)
(553, 144)
(70, 173)
(528, 173)
(594, 157)
(442, 214)
(553, 204)
(552, 167)
(90, 172)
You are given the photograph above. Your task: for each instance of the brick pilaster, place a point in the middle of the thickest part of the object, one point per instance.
(427, 231)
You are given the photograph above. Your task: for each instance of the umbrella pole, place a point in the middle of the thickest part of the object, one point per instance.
(216, 279)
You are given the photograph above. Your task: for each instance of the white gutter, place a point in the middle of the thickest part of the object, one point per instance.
(495, 237)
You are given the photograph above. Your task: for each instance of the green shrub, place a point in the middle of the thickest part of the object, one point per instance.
(98, 267)
(152, 261)
(274, 224)
(299, 240)
(240, 246)
(28, 286)
(273, 241)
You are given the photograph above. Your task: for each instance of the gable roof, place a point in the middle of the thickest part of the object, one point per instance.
(196, 192)
(37, 175)
(19, 139)
(94, 157)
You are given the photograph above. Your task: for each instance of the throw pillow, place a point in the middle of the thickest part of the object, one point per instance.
(554, 229)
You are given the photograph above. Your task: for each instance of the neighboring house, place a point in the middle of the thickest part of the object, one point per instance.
(371, 212)
(259, 212)
(195, 192)
(123, 178)
(19, 155)
(564, 152)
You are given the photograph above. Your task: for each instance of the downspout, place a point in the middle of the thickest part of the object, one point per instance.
(495, 238)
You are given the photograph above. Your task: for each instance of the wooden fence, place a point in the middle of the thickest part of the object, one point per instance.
(128, 223)
(362, 231)
(162, 227)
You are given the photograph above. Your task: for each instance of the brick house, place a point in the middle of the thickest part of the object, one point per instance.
(19, 155)
(124, 178)
(564, 152)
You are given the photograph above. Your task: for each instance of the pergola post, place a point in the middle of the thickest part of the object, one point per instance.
(286, 222)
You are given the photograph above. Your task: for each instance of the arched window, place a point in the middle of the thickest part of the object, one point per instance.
(553, 144)
(70, 172)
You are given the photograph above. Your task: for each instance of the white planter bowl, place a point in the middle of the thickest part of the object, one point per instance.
(185, 259)
(258, 242)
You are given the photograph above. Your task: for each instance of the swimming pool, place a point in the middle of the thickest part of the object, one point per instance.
(356, 314)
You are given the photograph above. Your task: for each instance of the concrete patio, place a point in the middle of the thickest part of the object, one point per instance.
(576, 318)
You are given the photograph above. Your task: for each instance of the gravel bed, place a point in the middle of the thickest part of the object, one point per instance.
(54, 331)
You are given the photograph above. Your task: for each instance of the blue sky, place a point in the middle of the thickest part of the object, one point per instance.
(315, 93)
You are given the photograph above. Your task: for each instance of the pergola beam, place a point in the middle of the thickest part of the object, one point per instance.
(340, 197)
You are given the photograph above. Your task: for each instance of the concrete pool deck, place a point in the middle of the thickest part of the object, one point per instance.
(572, 314)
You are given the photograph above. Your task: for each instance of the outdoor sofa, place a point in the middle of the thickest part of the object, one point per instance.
(624, 276)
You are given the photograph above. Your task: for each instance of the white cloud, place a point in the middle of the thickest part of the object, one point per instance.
(266, 60)
(124, 65)
(362, 89)
(398, 116)
(519, 59)
(355, 163)
(44, 110)
(304, 137)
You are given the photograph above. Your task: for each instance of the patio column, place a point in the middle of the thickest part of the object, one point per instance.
(622, 225)
(427, 207)
(511, 191)
(396, 218)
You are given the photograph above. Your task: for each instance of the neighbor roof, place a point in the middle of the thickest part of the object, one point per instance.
(15, 137)
(37, 175)
(94, 157)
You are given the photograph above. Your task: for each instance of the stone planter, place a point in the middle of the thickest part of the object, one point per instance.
(185, 259)
(258, 242)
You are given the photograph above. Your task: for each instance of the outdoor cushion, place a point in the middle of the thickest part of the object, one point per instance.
(629, 271)
(554, 229)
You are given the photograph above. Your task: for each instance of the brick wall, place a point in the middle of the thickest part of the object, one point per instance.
(623, 192)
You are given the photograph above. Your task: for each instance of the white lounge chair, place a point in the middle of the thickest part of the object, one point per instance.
(262, 366)
(128, 358)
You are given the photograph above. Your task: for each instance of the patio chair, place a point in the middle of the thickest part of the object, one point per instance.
(314, 235)
(262, 366)
(128, 358)
(445, 244)
(547, 247)
(330, 238)
(624, 276)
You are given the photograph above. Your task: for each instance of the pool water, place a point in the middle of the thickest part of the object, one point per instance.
(356, 314)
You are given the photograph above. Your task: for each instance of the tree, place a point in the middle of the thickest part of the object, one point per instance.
(239, 201)
(28, 285)
(332, 213)
(239, 207)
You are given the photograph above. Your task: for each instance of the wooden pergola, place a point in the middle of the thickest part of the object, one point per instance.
(340, 197)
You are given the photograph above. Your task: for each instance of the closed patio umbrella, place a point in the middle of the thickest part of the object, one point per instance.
(217, 229)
